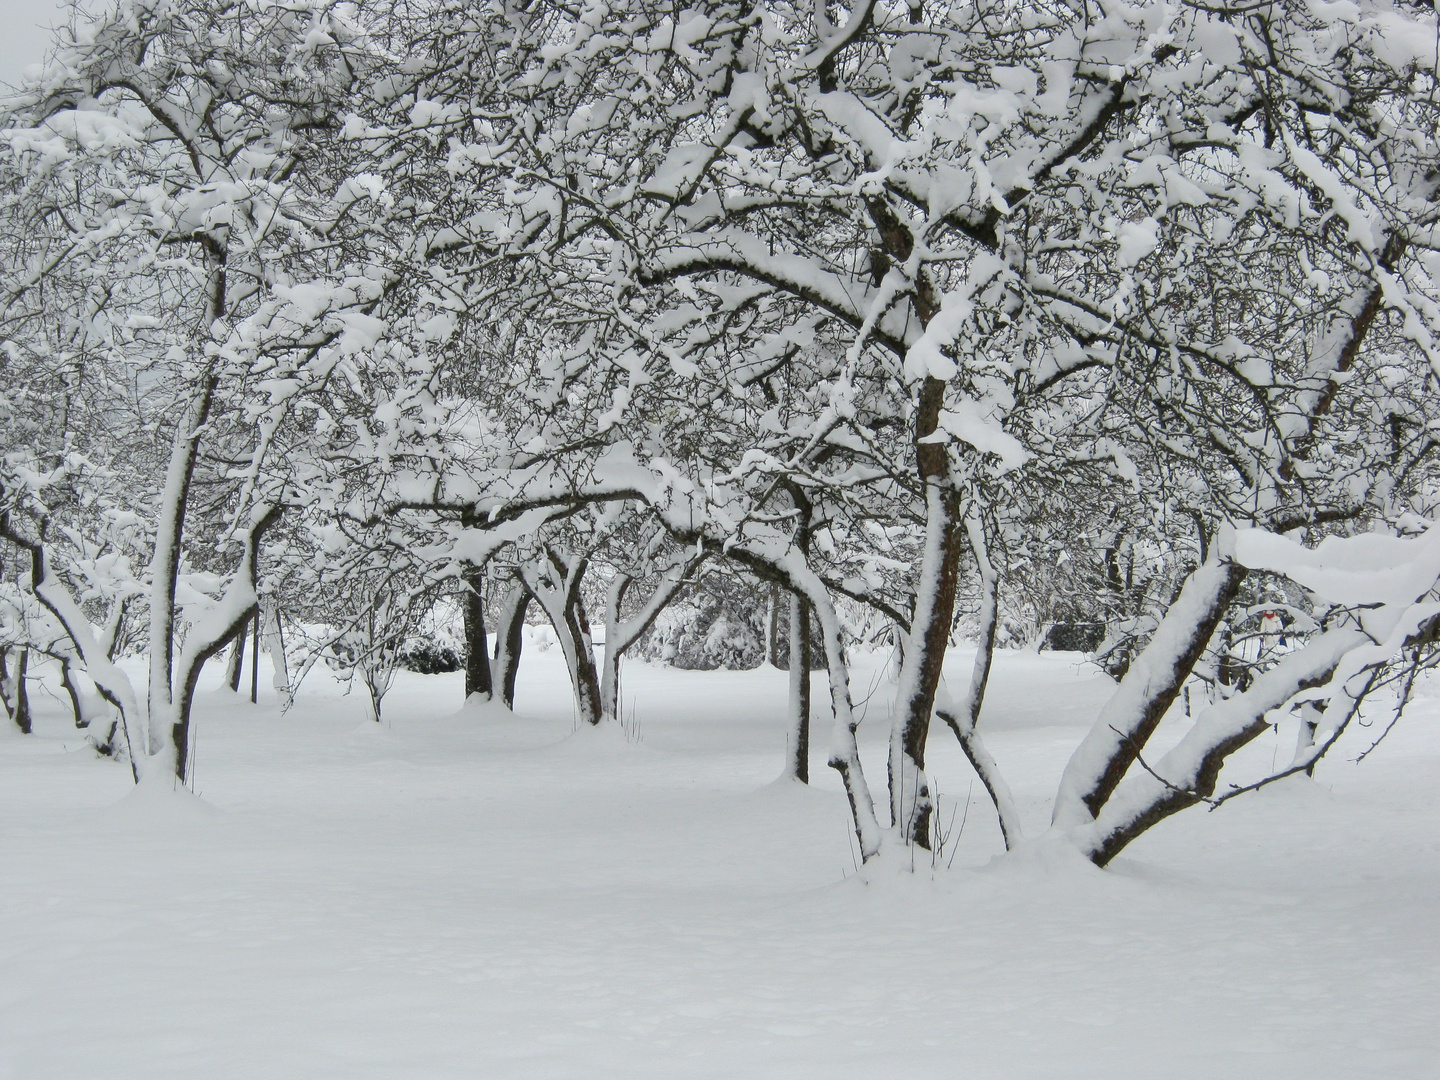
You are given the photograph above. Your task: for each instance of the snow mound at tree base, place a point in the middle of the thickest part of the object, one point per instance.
(161, 802)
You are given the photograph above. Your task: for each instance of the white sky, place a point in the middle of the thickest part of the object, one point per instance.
(25, 34)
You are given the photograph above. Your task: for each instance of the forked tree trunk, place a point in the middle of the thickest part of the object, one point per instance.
(556, 586)
(1188, 773)
(509, 639)
(217, 629)
(613, 651)
(91, 713)
(797, 728)
(1149, 688)
(620, 636)
(964, 718)
(477, 649)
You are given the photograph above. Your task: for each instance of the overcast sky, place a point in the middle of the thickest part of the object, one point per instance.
(25, 34)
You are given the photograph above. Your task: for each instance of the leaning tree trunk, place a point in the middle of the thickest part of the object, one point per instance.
(72, 691)
(92, 714)
(1188, 773)
(791, 570)
(477, 649)
(1149, 688)
(509, 639)
(1310, 717)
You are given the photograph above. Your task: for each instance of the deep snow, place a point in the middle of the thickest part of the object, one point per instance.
(480, 895)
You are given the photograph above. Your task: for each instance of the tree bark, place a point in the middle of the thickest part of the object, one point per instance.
(910, 799)
(477, 649)
(236, 608)
(797, 736)
(964, 720)
(556, 587)
(1188, 773)
(509, 639)
(235, 662)
(1148, 690)
(17, 696)
(275, 646)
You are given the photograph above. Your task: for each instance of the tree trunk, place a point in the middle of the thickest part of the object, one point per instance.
(555, 584)
(614, 649)
(1188, 773)
(17, 696)
(214, 631)
(477, 649)
(585, 674)
(620, 636)
(72, 691)
(910, 798)
(164, 707)
(1310, 715)
(255, 660)
(772, 629)
(235, 662)
(509, 638)
(112, 682)
(797, 735)
(964, 720)
(844, 751)
(1149, 688)
(275, 646)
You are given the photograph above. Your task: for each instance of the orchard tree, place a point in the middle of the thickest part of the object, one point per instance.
(1153, 246)
(167, 160)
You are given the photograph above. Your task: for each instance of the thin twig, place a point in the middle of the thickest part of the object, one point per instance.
(1144, 765)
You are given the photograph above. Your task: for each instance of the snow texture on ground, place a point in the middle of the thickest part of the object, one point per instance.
(481, 895)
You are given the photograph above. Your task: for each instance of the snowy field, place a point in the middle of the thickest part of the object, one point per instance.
(480, 895)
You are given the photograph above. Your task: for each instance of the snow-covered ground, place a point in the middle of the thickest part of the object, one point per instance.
(480, 895)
